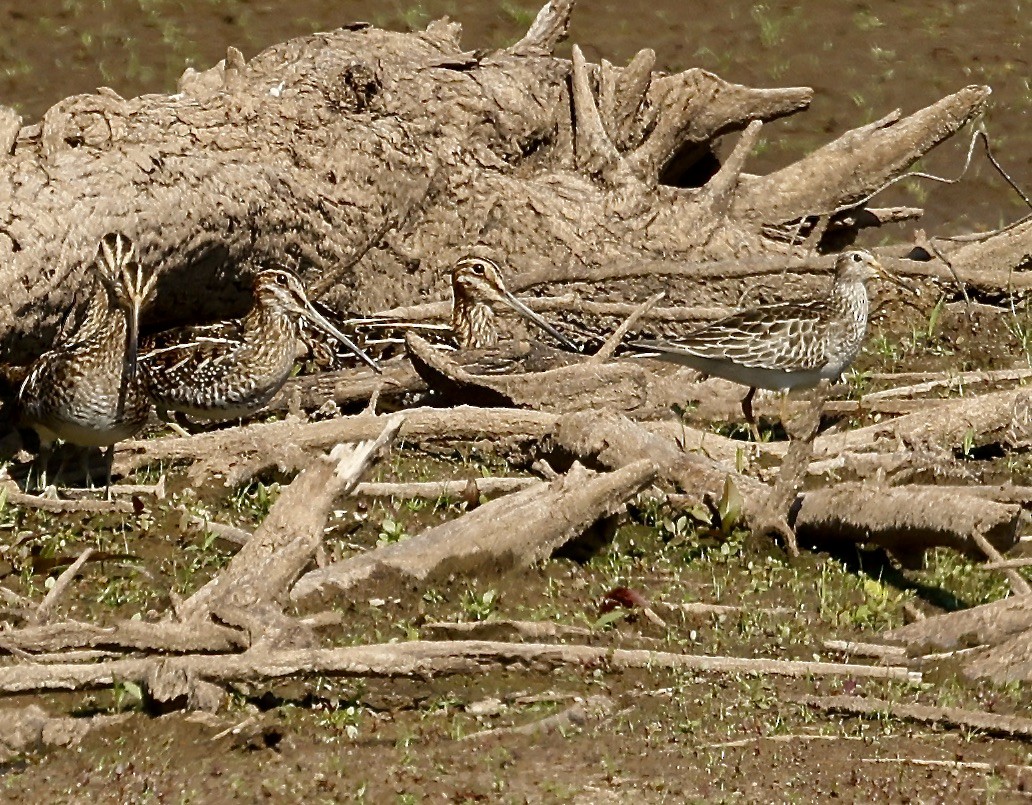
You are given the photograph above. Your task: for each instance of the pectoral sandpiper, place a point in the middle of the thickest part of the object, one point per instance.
(84, 390)
(786, 345)
(233, 368)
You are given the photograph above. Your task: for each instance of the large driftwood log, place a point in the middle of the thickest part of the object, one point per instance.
(373, 159)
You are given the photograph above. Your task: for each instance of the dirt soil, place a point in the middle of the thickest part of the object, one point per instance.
(635, 736)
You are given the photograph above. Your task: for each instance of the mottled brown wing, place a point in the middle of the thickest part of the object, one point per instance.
(171, 348)
(789, 336)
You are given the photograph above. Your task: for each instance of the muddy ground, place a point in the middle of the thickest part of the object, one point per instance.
(648, 736)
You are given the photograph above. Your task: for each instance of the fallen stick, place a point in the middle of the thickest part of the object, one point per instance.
(934, 382)
(229, 533)
(1006, 726)
(46, 606)
(594, 708)
(905, 521)
(290, 443)
(503, 534)
(889, 406)
(16, 497)
(418, 659)
(156, 490)
(879, 651)
(698, 608)
(442, 489)
(267, 565)
(986, 625)
(1017, 581)
(1006, 564)
(743, 742)
(967, 765)
(128, 635)
(503, 629)
(613, 341)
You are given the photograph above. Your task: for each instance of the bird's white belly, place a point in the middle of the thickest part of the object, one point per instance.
(773, 379)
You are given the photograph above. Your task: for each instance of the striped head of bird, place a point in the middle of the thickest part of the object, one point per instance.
(280, 289)
(476, 285)
(123, 275)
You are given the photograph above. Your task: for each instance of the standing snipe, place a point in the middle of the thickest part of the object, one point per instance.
(84, 390)
(233, 368)
(787, 345)
(476, 286)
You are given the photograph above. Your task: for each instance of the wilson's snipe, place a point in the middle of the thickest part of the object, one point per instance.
(787, 345)
(233, 368)
(84, 390)
(476, 286)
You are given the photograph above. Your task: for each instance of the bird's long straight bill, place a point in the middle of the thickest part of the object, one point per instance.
(315, 318)
(129, 361)
(530, 315)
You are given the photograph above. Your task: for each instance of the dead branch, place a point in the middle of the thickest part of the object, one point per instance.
(960, 380)
(443, 489)
(999, 415)
(879, 651)
(504, 630)
(955, 717)
(46, 606)
(86, 506)
(984, 625)
(1017, 581)
(504, 534)
(613, 342)
(267, 565)
(621, 386)
(864, 158)
(1007, 564)
(594, 708)
(905, 520)
(288, 443)
(1010, 661)
(419, 659)
(129, 635)
(615, 441)
(565, 303)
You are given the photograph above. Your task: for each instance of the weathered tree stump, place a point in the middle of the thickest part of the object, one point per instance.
(373, 159)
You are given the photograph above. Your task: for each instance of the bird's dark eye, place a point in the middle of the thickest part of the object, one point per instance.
(478, 269)
(856, 257)
(281, 279)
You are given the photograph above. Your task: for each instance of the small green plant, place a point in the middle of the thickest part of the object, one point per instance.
(391, 531)
(479, 606)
